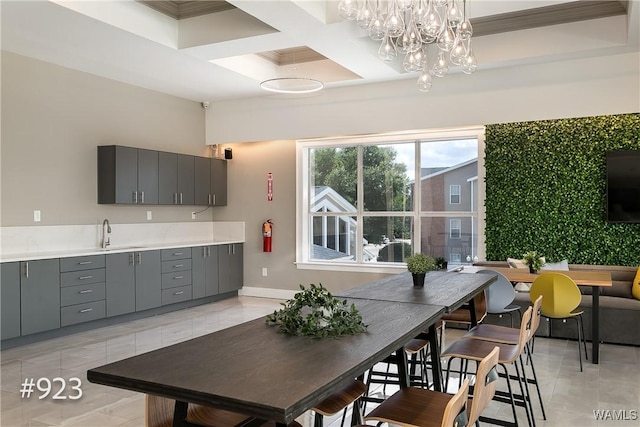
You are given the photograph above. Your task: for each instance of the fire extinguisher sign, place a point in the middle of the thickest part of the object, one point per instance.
(270, 187)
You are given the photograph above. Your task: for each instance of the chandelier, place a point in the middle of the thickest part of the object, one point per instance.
(407, 27)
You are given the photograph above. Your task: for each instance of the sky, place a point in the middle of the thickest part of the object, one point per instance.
(436, 154)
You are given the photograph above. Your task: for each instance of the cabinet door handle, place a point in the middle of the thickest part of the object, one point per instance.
(208, 251)
(178, 277)
(175, 198)
(85, 277)
(177, 254)
(139, 256)
(214, 200)
(142, 197)
(131, 258)
(178, 293)
(180, 198)
(135, 197)
(233, 249)
(85, 262)
(86, 310)
(26, 270)
(86, 291)
(178, 265)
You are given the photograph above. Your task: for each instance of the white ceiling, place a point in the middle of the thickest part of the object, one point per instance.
(132, 43)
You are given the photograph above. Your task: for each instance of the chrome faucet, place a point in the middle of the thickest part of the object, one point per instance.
(106, 231)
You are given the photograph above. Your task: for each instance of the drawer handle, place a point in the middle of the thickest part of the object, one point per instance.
(178, 277)
(86, 291)
(86, 310)
(177, 253)
(178, 265)
(178, 293)
(85, 277)
(85, 262)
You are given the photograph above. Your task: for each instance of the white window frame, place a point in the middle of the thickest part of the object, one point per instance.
(457, 192)
(303, 195)
(458, 226)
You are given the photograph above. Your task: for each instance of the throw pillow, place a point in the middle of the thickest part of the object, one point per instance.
(516, 263)
(562, 265)
(635, 289)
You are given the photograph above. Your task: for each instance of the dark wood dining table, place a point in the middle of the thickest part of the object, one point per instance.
(252, 369)
(449, 289)
(593, 279)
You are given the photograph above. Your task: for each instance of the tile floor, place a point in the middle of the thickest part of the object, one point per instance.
(570, 397)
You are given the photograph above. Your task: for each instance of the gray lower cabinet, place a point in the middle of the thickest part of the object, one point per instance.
(10, 300)
(204, 265)
(39, 295)
(230, 267)
(120, 283)
(148, 271)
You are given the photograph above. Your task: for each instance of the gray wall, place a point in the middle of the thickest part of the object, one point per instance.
(53, 118)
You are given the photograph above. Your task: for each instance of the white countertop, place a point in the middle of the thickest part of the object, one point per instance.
(110, 250)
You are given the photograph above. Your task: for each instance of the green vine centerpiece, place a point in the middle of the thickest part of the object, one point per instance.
(316, 313)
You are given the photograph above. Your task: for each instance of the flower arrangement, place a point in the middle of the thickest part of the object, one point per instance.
(533, 260)
(316, 313)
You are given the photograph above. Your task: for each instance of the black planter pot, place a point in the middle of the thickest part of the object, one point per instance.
(531, 270)
(418, 279)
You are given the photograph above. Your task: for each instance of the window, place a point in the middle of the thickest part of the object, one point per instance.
(369, 202)
(455, 225)
(454, 194)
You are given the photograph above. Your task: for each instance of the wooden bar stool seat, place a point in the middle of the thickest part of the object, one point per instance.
(339, 401)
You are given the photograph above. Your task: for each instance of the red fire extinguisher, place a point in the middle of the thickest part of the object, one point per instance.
(267, 229)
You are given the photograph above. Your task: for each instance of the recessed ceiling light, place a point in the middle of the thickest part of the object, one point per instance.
(292, 85)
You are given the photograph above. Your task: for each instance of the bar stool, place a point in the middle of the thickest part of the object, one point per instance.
(426, 408)
(476, 350)
(339, 401)
(502, 334)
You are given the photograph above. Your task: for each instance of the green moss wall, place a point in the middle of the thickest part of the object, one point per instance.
(546, 190)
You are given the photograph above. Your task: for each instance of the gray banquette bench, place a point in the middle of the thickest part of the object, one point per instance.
(619, 310)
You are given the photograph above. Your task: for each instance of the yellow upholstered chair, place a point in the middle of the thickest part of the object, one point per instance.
(560, 298)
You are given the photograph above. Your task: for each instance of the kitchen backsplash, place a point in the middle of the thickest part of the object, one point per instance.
(34, 239)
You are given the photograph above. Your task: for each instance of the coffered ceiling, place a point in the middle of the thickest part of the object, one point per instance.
(216, 50)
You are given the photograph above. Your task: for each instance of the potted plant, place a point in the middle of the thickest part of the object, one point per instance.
(441, 263)
(418, 265)
(533, 260)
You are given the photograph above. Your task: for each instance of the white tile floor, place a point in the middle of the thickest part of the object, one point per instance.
(570, 396)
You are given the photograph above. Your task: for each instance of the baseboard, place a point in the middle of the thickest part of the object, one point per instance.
(250, 291)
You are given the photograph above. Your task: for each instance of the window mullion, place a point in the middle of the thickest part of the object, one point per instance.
(417, 201)
(359, 205)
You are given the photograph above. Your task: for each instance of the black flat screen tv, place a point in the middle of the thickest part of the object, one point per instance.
(623, 186)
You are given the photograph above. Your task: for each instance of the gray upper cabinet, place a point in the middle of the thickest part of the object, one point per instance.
(203, 181)
(39, 295)
(168, 178)
(218, 182)
(186, 178)
(120, 283)
(127, 175)
(10, 300)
